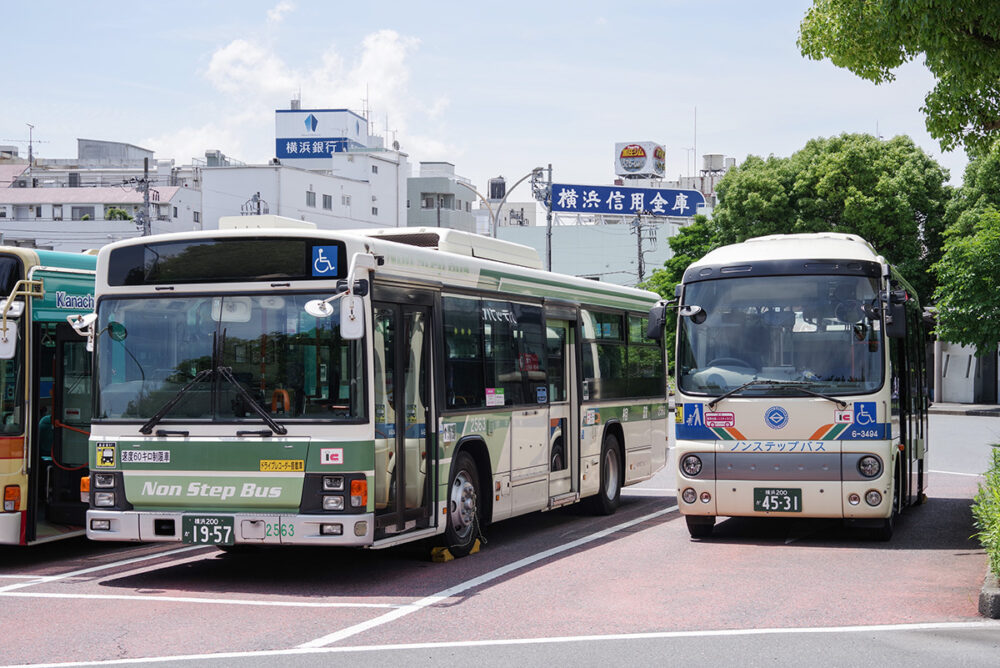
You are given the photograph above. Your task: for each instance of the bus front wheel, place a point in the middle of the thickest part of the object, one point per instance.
(462, 527)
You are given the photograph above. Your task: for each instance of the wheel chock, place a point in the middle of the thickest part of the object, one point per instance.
(440, 555)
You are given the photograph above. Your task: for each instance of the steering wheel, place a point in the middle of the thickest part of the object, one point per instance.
(729, 361)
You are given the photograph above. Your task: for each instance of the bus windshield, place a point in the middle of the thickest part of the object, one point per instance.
(292, 365)
(818, 332)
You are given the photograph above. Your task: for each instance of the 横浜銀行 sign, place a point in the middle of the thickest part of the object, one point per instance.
(624, 201)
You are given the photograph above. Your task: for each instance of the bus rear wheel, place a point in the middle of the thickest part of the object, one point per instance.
(609, 495)
(462, 529)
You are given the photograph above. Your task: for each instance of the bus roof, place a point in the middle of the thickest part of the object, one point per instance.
(814, 246)
(422, 263)
(32, 257)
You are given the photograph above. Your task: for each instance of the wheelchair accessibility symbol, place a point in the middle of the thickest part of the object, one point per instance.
(864, 413)
(324, 261)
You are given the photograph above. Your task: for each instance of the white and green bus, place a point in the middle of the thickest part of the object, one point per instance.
(801, 384)
(269, 383)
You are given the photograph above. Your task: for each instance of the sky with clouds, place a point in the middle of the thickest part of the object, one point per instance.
(496, 89)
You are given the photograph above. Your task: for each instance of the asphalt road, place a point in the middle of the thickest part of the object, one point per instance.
(559, 588)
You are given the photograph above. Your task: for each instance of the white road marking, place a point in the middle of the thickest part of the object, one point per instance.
(654, 635)
(194, 599)
(647, 491)
(42, 579)
(971, 475)
(475, 582)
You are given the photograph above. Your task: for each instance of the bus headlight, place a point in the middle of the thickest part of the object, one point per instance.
(104, 499)
(870, 466)
(333, 503)
(689, 495)
(873, 498)
(104, 480)
(691, 465)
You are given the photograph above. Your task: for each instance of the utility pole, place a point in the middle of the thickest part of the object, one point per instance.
(542, 191)
(142, 220)
(639, 229)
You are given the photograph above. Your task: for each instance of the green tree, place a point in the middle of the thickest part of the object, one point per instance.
(114, 213)
(889, 192)
(688, 245)
(960, 42)
(968, 293)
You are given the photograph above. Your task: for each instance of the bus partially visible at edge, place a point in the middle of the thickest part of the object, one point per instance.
(44, 394)
(801, 384)
(260, 386)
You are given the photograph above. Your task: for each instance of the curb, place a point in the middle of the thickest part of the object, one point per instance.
(989, 597)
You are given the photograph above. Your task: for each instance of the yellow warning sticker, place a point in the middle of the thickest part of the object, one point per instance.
(282, 465)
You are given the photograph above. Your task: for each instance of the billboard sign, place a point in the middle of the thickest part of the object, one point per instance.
(623, 201)
(641, 159)
(308, 137)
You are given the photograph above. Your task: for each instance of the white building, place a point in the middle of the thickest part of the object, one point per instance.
(74, 219)
(440, 198)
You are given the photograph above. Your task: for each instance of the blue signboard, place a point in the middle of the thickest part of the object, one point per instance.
(315, 147)
(623, 201)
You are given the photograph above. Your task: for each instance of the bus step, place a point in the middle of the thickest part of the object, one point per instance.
(563, 499)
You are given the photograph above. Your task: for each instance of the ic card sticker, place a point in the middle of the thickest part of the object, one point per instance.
(331, 456)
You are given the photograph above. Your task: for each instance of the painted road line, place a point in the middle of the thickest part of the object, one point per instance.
(971, 475)
(653, 635)
(195, 599)
(476, 582)
(42, 579)
(648, 491)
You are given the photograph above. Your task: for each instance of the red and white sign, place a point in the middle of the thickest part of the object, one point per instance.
(331, 455)
(843, 417)
(720, 420)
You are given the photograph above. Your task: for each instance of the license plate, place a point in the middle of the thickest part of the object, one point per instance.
(207, 530)
(777, 500)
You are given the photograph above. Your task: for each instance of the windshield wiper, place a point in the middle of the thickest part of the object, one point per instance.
(798, 385)
(227, 373)
(158, 415)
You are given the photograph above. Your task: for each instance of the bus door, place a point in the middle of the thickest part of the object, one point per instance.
(564, 428)
(61, 426)
(405, 464)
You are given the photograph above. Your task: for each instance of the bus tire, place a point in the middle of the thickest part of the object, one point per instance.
(462, 529)
(609, 495)
(700, 526)
(885, 530)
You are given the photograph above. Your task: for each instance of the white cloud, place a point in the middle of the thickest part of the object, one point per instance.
(277, 13)
(253, 80)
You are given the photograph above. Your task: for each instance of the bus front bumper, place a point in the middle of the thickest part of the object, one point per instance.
(247, 528)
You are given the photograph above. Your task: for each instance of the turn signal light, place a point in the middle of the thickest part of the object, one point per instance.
(85, 489)
(359, 493)
(11, 498)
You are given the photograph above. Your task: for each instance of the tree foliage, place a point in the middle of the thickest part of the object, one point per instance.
(960, 42)
(890, 193)
(968, 273)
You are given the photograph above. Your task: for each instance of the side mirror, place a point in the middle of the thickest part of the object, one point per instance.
(8, 340)
(84, 326)
(657, 321)
(352, 318)
(895, 321)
